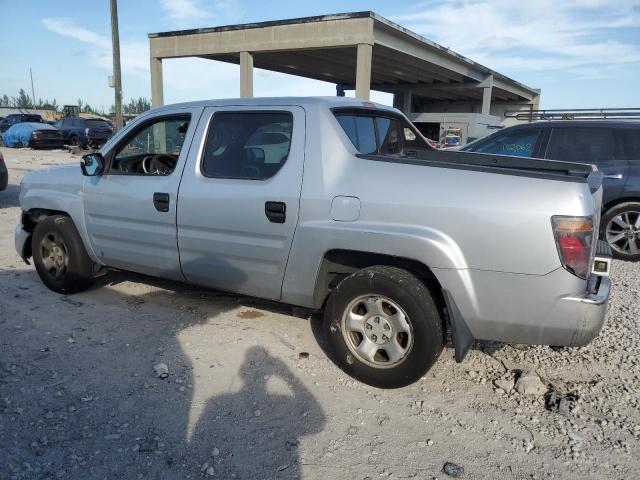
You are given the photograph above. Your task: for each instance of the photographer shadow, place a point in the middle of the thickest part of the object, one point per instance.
(271, 412)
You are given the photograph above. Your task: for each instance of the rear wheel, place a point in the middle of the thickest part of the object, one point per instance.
(60, 257)
(620, 227)
(383, 327)
(74, 140)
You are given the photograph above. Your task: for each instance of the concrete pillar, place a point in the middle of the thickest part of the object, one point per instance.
(407, 100)
(157, 93)
(487, 90)
(363, 71)
(246, 75)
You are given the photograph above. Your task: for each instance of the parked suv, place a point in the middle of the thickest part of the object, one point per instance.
(83, 132)
(14, 118)
(333, 204)
(614, 146)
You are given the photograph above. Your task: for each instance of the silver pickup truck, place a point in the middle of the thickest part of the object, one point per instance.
(333, 204)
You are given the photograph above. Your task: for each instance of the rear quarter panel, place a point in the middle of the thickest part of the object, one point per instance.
(445, 218)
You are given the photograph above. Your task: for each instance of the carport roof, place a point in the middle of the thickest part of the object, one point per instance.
(323, 48)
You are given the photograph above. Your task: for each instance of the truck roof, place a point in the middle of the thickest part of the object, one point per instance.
(327, 102)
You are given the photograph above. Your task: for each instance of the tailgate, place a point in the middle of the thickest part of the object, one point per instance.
(594, 180)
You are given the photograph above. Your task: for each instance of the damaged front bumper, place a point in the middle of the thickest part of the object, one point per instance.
(22, 239)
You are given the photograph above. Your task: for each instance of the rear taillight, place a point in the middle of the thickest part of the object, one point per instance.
(574, 238)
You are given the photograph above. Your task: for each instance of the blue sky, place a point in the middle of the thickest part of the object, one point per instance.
(581, 53)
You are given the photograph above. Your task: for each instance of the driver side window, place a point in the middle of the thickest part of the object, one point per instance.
(152, 149)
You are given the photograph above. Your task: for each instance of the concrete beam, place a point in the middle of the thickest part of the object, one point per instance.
(246, 75)
(327, 34)
(157, 92)
(419, 70)
(515, 89)
(363, 71)
(399, 44)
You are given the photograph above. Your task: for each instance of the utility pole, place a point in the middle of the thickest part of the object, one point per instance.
(115, 38)
(33, 93)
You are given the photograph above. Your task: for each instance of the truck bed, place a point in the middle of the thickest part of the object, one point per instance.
(500, 164)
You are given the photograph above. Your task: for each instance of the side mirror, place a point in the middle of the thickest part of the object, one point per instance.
(92, 164)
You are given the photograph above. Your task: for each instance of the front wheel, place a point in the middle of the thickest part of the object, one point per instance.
(60, 257)
(383, 327)
(620, 228)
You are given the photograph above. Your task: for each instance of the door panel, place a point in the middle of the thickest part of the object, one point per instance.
(126, 228)
(629, 138)
(238, 202)
(595, 145)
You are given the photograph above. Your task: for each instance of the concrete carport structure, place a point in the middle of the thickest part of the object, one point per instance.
(360, 51)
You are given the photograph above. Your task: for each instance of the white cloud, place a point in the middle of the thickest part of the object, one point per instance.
(193, 13)
(184, 11)
(67, 28)
(134, 56)
(185, 75)
(532, 35)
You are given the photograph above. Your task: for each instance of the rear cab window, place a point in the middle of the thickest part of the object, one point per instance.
(95, 123)
(376, 132)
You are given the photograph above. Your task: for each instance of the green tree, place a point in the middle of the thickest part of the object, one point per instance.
(22, 100)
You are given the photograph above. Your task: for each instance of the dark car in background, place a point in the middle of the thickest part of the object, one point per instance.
(83, 132)
(34, 135)
(612, 145)
(4, 174)
(14, 118)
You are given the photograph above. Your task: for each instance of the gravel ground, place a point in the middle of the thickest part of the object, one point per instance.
(80, 399)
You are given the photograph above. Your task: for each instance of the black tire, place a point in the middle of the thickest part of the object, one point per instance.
(622, 248)
(75, 273)
(416, 305)
(74, 141)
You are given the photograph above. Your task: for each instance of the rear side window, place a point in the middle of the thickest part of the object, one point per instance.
(630, 141)
(582, 145)
(361, 131)
(250, 145)
(519, 143)
(380, 135)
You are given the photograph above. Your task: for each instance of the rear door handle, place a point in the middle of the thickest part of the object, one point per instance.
(276, 212)
(614, 176)
(161, 201)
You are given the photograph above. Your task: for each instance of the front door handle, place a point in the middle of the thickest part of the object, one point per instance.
(276, 212)
(161, 201)
(614, 176)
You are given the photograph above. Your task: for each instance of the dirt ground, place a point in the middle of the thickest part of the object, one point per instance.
(79, 397)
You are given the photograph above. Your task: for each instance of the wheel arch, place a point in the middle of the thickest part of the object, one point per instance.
(337, 264)
(30, 219)
(618, 201)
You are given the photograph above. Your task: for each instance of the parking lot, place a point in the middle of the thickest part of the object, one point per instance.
(250, 392)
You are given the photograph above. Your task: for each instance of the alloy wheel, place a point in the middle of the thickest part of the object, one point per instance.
(623, 233)
(55, 256)
(377, 331)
